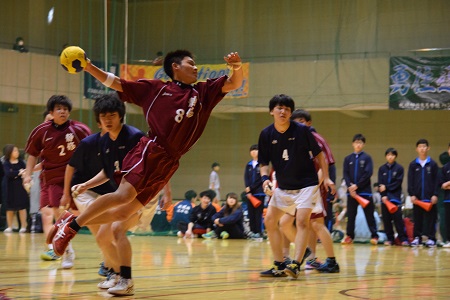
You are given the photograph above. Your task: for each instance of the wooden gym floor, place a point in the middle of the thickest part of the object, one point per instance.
(173, 268)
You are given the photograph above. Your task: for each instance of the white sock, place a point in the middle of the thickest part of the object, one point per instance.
(70, 247)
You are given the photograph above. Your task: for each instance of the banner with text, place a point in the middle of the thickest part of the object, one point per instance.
(135, 72)
(419, 83)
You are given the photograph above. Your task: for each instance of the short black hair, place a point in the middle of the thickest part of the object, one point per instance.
(301, 114)
(283, 100)
(208, 193)
(253, 147)
(109, 103)
(59, 100)
(175, 57)
(422, 141)
(215, 164)
(392, 151)
(359, 137)
(190, 194)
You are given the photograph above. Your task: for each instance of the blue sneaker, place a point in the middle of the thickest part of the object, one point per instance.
(49, 255)
(277, 270)
(103, 271)
(329, 266)
(209, 235)
(256, 237)
(312, 264)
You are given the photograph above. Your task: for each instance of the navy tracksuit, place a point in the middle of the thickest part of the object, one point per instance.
(392, 177)
(358, 168)
(423, 183)
(444, 177)
(252, 179)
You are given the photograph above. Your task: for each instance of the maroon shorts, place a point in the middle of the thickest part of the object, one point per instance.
(51, 195)
(148, 168)
(323, 195)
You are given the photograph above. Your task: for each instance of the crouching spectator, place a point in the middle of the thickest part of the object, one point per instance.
(201, 218)
(182, 213)
(228, 222)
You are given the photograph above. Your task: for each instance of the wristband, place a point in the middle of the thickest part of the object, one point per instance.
(109, 80)
(232, 65)
(264, 178)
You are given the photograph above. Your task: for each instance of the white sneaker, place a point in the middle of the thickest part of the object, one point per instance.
(109, 282)
(67, 259)
(415, 242)
(180, 234)
(430, 244)
(124, 287)
(22, 230)
(8, 230)
(446, 245)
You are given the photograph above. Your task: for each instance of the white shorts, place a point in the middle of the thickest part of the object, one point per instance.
(290, 200)
(319, 207)
(83, 200)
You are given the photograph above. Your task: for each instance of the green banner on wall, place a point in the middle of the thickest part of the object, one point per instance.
(419, 83)
(93, 88)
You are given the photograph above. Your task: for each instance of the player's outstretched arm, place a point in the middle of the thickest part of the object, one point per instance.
(108, 79)
(233, 60)
(97, 180)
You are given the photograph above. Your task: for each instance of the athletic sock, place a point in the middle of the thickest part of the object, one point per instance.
(125, 272)
(74, 225)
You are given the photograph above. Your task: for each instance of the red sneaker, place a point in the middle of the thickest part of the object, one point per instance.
(347, 240)
(65, 217)
(62, 239)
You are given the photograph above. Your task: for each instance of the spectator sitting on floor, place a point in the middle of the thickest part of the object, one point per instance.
(228, 222)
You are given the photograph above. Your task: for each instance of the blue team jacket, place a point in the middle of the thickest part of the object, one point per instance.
(444, 177)
(358, 169)
(423, 181)
(392, 177)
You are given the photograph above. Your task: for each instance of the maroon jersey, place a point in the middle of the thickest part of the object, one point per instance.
(329, 158)
(55, 144)
(176, 113)
(325, 148)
